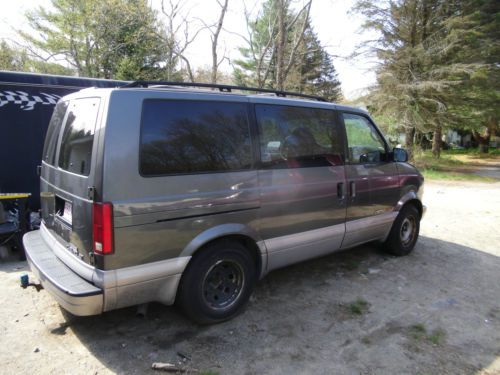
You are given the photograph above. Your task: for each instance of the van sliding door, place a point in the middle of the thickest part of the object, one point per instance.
(302, 182)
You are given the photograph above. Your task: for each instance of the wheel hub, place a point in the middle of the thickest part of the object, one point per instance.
(223, 284)
(407, 232)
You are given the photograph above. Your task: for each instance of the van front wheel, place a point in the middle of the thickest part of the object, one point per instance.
(217, 283)
(404, 232)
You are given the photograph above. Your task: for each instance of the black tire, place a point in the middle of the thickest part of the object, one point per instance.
(217, 283)
(404, 232)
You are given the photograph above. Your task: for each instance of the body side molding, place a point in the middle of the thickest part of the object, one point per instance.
(296, 247)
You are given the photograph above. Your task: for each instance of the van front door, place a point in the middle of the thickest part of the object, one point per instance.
(372, 180)
(302, 182)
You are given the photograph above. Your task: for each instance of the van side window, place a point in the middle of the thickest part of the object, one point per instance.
(49, 149)
(188, 136)
(298, 137)
(78, 136)
(364, 143)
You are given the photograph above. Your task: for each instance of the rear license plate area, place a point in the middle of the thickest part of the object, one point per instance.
(64, 210)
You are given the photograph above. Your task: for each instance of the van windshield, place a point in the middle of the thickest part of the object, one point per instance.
(78, 137)
(49, 149)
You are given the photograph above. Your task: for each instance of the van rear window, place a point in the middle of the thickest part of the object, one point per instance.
(49, 149)
(78, 136)
(180, 136)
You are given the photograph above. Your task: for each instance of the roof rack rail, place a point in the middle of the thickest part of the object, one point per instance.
(222, 88)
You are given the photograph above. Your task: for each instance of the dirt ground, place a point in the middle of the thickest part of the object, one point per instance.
(436, 311)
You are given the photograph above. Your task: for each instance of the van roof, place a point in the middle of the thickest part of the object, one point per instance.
(223, 88)
(207, 88)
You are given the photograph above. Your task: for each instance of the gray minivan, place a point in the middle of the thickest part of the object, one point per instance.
(154, 192)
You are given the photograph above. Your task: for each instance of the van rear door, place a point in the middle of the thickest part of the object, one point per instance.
(68, 172)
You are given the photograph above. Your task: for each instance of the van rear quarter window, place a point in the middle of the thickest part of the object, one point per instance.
(181, 136)
(78, 136)
(49, 149)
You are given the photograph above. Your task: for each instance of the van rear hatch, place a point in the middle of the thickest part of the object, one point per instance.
(68, 174)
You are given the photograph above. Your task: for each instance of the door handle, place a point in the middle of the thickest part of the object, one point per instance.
(341, 190)
(352, 189)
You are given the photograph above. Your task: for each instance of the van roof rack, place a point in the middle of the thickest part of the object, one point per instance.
(222, 88)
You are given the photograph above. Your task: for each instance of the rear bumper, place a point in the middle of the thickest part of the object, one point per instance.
(72, 292)
(84, 290)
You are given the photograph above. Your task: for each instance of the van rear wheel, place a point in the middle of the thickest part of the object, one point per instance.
(217, 282)
(404, 232)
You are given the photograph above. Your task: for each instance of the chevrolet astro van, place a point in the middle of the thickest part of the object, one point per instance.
(165, 192)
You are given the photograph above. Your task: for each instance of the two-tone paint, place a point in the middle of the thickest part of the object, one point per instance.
(282, 215)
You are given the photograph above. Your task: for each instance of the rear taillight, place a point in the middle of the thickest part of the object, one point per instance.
(102, 228)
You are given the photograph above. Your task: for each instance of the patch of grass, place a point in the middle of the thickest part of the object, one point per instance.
(472, 151)
(352, 264)
(451, 165)
(437, 336)
(418, 332)
(366, 340)
(425, 160)
(494, 313)
(208, 372)
(433, 174)
(358, 307)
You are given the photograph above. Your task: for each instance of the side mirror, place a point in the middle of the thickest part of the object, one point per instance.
(399, 155)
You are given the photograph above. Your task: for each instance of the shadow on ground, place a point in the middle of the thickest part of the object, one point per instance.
(436, 311)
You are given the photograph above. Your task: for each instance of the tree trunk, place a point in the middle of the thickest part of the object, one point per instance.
(280, 58)
(436, 142)
(215, 40)
(484, 146)
(420, 139)
(483, 140)
(409, 142)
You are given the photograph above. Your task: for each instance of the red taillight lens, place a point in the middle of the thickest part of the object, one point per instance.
(102, 228)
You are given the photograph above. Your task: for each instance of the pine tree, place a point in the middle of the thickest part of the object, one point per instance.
(100, 38)
(430, 61)
(474, 42)
(311, 70)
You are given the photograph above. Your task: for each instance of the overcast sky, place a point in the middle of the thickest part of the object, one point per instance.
(338, 30)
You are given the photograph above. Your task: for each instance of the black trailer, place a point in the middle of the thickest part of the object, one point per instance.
(26, 104)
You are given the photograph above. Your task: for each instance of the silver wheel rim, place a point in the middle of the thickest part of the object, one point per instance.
(223, 284)
(408, 230)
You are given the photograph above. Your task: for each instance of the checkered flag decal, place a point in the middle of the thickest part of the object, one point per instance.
(25, 101)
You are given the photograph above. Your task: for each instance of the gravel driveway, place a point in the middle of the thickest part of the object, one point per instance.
(436, 311)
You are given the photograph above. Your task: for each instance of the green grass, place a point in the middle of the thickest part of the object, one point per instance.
(432, 174)
(424, 160)
(358, 307)
(437, 336)
(471, 151)
(418, 332)
(352, 264)
(366, 340)
(447, 167)
(208, 372)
